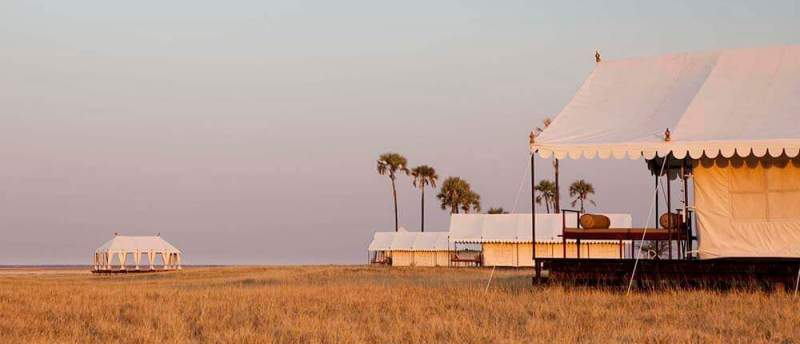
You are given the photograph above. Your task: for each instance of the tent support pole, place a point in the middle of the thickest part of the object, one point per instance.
(688, 241)
(669, 208)
(655, 221)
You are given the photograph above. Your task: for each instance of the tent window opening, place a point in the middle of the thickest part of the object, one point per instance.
(763, 192)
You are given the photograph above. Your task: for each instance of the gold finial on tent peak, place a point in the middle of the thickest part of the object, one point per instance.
(666, 135)
(532, 137)
(597, 56)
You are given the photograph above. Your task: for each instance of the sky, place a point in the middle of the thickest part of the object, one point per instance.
(247, 132)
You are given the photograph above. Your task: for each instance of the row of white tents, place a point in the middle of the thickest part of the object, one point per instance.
(500, 239)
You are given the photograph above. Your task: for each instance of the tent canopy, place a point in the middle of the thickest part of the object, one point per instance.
(409, 241)
(728, 102)
(403, 241)
(125, 243)
(516, 228)
(431, 241)
(381, 241)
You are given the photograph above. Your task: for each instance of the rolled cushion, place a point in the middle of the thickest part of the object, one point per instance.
(594, 221)
(670, 220)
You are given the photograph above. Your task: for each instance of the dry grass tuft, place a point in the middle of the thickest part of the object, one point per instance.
(366, 304)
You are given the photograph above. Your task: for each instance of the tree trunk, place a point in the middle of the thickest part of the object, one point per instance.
(422, 209)
(547, 206)
(557, 200)
(582, 210)
(394, 195)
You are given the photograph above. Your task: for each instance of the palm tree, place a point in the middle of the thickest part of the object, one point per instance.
(456, 194)
(471, 201)
(389, 164)
(547, 191)
(498, 210)
(423, 175)
(580, 191)
(557, 194)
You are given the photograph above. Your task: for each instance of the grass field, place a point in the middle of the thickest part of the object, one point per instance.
(372, 305)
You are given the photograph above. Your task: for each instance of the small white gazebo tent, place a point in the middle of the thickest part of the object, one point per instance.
(113, 255)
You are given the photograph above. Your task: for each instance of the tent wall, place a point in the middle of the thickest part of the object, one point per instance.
(420, 258)
(519, 255)
(500, 254)
(402, 258)
(442, 258)
(425, 258)
(748, 207)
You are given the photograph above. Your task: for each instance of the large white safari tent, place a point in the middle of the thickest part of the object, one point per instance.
(505, 239)
(114, 254)
(726, 119)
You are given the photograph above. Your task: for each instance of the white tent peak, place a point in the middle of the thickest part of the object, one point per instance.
(128, 243)
(624, 106)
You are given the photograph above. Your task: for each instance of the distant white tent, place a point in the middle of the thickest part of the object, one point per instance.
(113, 255)
(411, 248)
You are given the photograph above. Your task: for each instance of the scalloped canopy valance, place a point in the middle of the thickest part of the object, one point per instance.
(731, 102)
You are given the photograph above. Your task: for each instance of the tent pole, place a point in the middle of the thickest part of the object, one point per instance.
(669, 208)
(655, 223)
(688, 240)
(533, 219)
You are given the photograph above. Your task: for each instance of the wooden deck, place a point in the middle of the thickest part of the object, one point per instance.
(130, 271)
(767, 273)
(623, 234)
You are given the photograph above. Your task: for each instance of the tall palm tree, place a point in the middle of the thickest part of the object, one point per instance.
(457, 194)
(547, 191)
(389, 164)
(451, 192)
(557, 195)
(471, 201)
(423, 175)
(580, 191)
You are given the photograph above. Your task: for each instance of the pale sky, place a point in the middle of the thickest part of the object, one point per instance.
(246, 132)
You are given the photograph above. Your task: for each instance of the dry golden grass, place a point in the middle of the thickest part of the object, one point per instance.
(372, 305)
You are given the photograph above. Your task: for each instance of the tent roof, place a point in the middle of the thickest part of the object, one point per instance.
(381, 241)
(728, 102)
(431, 241)
(403, 241)
(409, 241)
(516, 228)
(133, 243)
